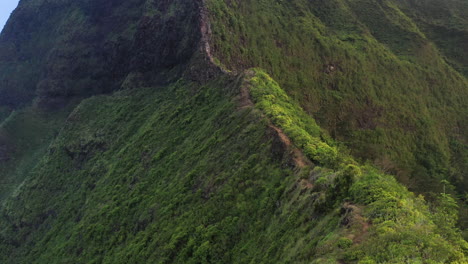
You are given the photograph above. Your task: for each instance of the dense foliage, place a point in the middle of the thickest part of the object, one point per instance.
(402, 228)
(367, 72)
(163, 188)
(126, 138)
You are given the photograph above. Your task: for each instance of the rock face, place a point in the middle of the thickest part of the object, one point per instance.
(82, 48)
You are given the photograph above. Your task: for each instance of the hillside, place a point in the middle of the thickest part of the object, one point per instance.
(233, 132)
(365, 71)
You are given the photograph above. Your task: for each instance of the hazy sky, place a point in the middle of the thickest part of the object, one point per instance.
(6, 6)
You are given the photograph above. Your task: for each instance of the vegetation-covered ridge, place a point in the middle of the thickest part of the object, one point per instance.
(394, 225)
(181, 155)
(53, 54)
(163, 188)
(365, 71)
(379, 76)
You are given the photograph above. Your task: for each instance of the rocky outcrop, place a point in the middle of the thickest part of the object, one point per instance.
(203, 67)
(91, 48)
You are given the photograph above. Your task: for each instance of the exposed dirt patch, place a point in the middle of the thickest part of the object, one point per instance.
(244, 99)
(353, 219)
(282, 136)
(205, 30)
(306, 184)
(203, 66)
(282, 144)
(298, 158)
(359, 238)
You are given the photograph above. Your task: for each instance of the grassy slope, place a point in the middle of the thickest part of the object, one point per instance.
(367, 74)
(445, 23)
(181, 174)
(55, 53)
(24, 139)
(401, 225)
(167, 170)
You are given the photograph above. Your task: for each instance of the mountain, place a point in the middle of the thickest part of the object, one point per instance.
(216, 131)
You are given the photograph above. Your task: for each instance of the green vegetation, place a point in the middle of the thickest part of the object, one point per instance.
(369, 72)
(402, 228)
(24, 138)
(163, 188)
(445, 23)
(55, 53)
(302, 129)
(364, 71)
(52, 52)
(122, 142)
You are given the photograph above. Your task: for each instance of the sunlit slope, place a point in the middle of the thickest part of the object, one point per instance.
(210, 174)
(137, 132)
(365, 71)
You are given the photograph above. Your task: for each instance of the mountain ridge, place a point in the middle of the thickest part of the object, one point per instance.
(189, 155)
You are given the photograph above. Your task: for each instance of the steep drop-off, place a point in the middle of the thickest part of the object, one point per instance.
(136, 132)
(55, 53)
(366, 72)
(197, 176)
